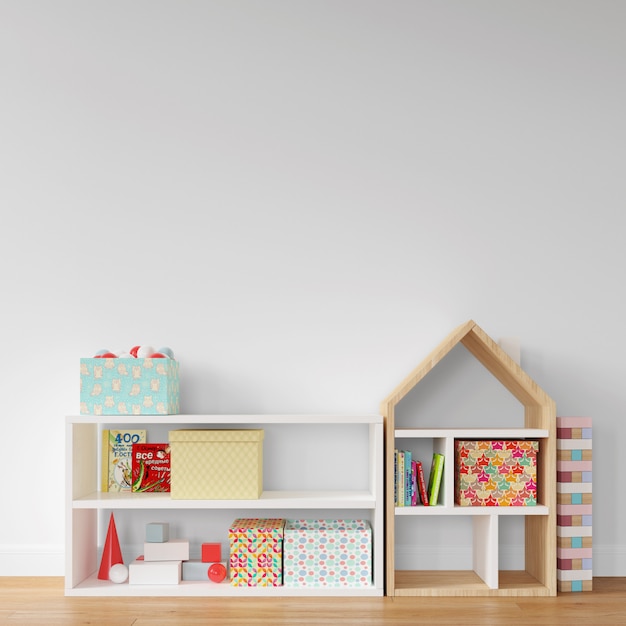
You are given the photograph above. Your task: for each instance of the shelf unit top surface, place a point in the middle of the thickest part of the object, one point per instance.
(225, 419)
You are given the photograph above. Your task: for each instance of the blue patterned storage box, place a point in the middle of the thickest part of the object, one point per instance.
(129, 386)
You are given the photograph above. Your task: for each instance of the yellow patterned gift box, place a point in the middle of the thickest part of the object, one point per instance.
(496, 473)
(216, 464)
(256, 552)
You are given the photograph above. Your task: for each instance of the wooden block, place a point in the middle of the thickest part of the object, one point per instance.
(573, 542)
(157, 532)
(198, 570)
(154, 572)
(574, 498)
(574, 585)
(211, 552)
(174, 550)
(574, 455)
(574, 509)
(574, 422)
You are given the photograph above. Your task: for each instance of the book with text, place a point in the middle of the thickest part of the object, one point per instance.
(151, 467)
(421, 483)
(117, 448)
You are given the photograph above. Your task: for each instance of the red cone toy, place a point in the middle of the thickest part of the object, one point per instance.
(112, 553)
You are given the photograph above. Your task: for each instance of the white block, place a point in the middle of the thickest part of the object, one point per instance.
(574, 487)
(173, 550)
(154, 572)
(574, 574)
(574, 531)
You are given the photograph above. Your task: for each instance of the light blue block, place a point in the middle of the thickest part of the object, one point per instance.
(577, 455)
(586, 477)
(587, 563)
(577, 585)
(586, 433)
(577, 498)
(586, 520)
(157, 532)
(577, 542)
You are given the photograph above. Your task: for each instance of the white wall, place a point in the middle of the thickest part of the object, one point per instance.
(303, 199)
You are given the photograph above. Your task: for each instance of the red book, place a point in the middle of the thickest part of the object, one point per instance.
(151, 467)
(421, 483)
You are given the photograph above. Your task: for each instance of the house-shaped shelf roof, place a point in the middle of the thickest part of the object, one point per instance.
(540, 410)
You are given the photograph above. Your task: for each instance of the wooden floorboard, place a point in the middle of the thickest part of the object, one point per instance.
(40, 601)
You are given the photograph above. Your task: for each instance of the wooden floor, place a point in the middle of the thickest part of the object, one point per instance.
(41, 602)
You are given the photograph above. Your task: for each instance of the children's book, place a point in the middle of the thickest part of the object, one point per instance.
(117, 448)
(151, 467)
(434, 481)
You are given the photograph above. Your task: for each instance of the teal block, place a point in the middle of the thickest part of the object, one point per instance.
(157, 532)
(577, 585)
(577, 498)
(577, 455)
(577, 542)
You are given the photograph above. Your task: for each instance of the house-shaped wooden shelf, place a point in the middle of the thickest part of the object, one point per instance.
(539, 576)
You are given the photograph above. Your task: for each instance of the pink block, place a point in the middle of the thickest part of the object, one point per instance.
(574, 466)
(573, 422)
(574, 553)
(574, 509)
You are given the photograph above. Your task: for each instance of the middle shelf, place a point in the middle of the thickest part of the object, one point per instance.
(268, 500)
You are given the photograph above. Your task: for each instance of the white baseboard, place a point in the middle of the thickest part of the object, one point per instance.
(32, 560)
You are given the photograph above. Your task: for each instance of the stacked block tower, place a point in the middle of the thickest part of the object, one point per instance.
(574, 504)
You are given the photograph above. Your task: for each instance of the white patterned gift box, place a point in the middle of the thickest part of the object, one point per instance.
(327, 553)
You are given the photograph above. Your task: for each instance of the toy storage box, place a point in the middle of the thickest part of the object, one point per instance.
(256, 552)
(129, 386)
(496, 473)
(327, 553)
(216, 464)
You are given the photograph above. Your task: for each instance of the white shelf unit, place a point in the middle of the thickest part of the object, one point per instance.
(485, 520)
(86, 506)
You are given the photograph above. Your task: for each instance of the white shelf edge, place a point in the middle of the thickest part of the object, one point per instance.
(470, 511)
(268, 500)
(471, 433)
(92, 586)
(292, 419)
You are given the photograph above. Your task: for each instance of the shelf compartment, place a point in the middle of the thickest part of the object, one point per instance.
(465, 583)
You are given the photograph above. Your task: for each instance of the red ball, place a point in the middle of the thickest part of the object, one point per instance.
(157, 355)
(217, 572)
(108, 355)
(133, 350)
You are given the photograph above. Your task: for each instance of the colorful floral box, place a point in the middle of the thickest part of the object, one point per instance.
(129, 386)
(215, 464)
(327, 553)
(496, 473)
(256, 552)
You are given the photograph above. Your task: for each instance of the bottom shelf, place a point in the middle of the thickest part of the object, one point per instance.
(465, 583)
(92, 586)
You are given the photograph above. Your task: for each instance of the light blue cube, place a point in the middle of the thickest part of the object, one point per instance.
(157, 532)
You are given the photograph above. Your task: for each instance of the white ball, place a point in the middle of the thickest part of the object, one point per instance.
(144, 352)
(118, 573)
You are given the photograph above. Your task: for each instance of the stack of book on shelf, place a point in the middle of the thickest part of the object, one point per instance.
(410, 485)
